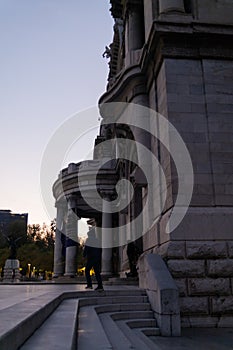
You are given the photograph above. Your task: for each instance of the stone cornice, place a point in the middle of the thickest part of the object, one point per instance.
(184, 38)
(170, 36)
(68, 185)
(119, 91)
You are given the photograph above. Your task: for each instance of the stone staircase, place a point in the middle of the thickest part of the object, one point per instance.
(113, 319)
(125, 320)
(119, 318)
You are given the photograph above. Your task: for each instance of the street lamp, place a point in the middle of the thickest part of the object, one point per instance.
(29, 270)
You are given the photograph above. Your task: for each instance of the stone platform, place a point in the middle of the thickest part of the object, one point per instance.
(19, 301)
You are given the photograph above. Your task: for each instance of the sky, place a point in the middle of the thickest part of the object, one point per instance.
(51, 67)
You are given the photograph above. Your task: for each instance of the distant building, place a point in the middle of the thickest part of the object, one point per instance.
(7, 218)
(174, 57)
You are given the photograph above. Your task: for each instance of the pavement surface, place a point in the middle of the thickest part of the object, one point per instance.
(191, 339)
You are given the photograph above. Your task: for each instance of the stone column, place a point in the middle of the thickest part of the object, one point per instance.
(134, 37)
(171, 6)
(106, 238)
(144, 157)
(71, 239)
(122, 241)
(60, 238)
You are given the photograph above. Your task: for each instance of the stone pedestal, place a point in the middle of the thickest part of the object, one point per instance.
(11, 271)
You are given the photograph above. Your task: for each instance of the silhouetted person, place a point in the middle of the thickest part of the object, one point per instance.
(92, 252)
(133, 254)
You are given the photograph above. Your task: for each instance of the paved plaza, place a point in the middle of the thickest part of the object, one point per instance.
(13, 295)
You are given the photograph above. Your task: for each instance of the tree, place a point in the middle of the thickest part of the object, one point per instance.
(38, 248)
(14, 234)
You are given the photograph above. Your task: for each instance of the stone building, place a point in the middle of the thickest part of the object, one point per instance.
(174, 57)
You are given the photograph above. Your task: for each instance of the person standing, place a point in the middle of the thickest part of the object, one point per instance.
(133, 255)
(92, 252)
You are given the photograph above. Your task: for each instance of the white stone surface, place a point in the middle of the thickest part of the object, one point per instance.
(162, 292)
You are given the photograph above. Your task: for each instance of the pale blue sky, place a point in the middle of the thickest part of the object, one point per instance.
(51, 67)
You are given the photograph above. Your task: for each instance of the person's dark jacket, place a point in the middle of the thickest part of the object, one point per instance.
(92, 249)
(92, 252)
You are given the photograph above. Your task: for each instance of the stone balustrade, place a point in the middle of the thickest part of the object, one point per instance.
(162, 292)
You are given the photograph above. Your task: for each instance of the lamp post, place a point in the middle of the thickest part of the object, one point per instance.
(29, 270)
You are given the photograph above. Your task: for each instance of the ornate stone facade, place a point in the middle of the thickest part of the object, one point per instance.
(176, 57)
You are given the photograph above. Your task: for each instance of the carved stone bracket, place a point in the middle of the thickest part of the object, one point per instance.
(166, 6)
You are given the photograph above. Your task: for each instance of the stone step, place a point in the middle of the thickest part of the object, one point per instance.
(146, 326)
(132, 315)
(91, 334)
(115, 300)
(138, 334)
(138, 341)
(19, 321)
(58, 332)
(150, 332)
(122, 307)
(117, 339)
(51, 319)
(142, 323)
(122, 281)
(109, 316)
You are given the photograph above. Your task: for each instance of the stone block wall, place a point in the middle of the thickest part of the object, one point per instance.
(203, 273)
(196, 95)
